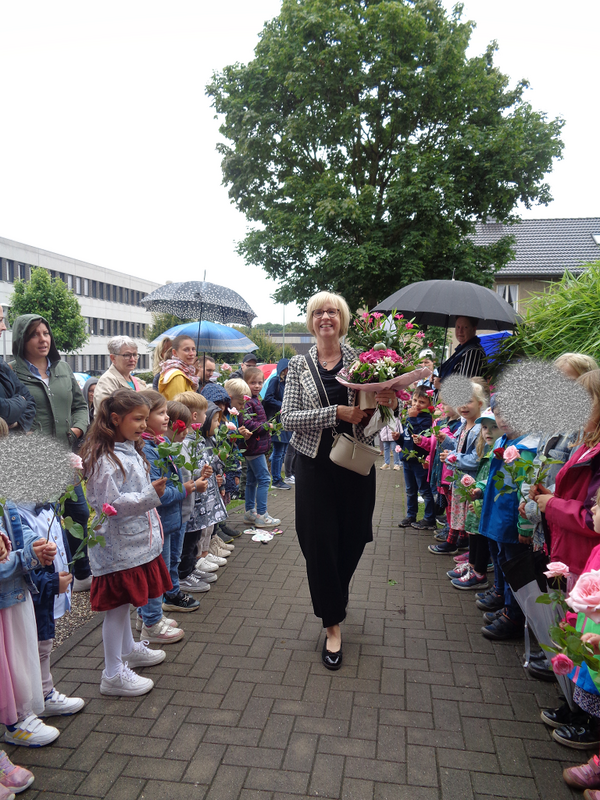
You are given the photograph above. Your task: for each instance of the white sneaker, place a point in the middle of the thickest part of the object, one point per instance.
(125, 683)
(193, 584)
(139, 623)
(207, 577)
(250, 516)
(396, 466)
(215, 550)
(220, 562)
(143, 656)
(161, 632)
(31, 732)
(204, 565)
(266, 521)
(83, 585)
(59, 705)
(291, 480)
(385, 466)
(224, 545)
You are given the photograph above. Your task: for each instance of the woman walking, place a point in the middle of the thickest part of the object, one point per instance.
(334, 506)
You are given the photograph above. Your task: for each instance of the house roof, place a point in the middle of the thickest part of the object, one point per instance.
(545, 247)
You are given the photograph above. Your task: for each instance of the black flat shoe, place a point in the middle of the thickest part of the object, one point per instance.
(330, 660)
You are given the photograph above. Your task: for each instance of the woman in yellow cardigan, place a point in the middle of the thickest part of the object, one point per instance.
(178, 373)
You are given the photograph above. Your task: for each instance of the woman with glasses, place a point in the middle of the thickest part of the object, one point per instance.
(124, 358)
(61, 410)
(334, 506)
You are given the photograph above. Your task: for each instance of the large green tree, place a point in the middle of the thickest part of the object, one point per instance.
(51, 299)
(364, 144)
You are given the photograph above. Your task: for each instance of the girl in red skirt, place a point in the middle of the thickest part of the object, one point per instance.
(129, 568)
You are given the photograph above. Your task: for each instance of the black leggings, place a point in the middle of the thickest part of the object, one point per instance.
(479, 553)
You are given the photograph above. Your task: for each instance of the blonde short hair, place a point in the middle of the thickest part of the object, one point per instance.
(578, 362)
(3, 428)
(322, 299)
(237, 387)
(192, 400)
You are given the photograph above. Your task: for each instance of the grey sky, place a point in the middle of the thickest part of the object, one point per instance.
(108, 140)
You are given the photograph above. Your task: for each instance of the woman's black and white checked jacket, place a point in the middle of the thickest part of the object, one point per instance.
(301, 410)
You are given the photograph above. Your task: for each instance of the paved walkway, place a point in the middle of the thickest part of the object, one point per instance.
(424, 708)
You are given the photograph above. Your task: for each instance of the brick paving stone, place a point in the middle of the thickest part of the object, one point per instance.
(424, 707)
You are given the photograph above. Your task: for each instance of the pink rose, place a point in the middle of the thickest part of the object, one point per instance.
(196, 426)
(234, 412)
(109, 510)
(398, 449)
(225, 367)
(429, 392)
(556, 569)
(511, 454)
(409, 325)
(451, 458)
(246, 397)
(399, 316)
(467, 480)
(585, 595)
(76, 461)
(231, 426)
(377, 315)
(562, 664)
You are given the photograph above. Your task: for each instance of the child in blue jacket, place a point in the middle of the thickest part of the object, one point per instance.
(419, 419)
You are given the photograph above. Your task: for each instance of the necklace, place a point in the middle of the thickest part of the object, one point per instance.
(324, 363)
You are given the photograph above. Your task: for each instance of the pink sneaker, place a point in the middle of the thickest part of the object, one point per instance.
(6, 794)
(586, 776)
(461, 558)
(590, 794)
(13, 778)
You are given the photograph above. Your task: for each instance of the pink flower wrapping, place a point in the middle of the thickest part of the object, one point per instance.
(562, 664)
(511, 454)
(556, 569)
(585, 595)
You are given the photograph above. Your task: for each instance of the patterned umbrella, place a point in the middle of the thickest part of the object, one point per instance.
(202, 300)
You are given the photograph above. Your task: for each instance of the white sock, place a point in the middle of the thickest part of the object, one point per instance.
(114, 632)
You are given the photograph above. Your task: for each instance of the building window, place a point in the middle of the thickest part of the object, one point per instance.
(127, 329)
(101, 327)
(120, 294)
(114, 294)
(77, 285)
(88, 363)
(86, 287)
(100, 289)
(510, 293)
(95, 326)
(138, 331)
(127, 296)
(94, 289)
(96, 364)
(10, 269)
(70, 282)
(121, 328)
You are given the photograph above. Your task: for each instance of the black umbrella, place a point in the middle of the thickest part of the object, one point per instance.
(441, 302)
(200, 300)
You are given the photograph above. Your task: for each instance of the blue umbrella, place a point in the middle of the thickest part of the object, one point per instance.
(210, 337)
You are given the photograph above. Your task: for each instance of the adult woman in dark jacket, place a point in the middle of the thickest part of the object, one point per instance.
(61, 410)
(17, 406)
(334, 506)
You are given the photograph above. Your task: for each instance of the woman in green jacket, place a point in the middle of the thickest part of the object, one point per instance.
(61, 410)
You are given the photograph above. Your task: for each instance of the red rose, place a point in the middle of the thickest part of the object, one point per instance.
(179, 425)
(499, 452)
(431, 409)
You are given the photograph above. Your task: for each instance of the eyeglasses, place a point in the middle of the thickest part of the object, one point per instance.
(331, 312)
(130, 356)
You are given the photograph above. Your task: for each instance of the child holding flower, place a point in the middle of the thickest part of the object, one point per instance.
(461, 454)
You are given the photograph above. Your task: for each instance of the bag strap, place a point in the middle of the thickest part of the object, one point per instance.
(318, 382)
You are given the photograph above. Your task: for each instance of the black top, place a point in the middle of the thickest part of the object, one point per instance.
(336, 393)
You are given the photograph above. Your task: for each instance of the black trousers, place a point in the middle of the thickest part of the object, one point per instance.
(334, 522)
(479, 552)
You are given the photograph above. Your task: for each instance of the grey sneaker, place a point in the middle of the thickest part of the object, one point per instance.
(207, 577)
(193, 584)
(250, 516)
(266, 521)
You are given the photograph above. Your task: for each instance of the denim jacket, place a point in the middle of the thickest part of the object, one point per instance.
(15, 582)
(171, 502)
(468, 461)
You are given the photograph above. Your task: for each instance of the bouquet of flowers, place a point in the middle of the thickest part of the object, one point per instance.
(391, 346)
